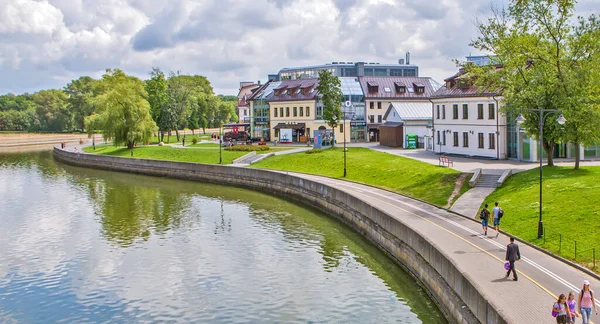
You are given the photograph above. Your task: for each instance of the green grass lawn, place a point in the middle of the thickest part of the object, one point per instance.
(406, 176)
(570, 208)
(206, 156)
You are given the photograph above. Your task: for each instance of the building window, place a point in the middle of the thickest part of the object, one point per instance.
(454, 111)
(438, 111)
(492, 111)
(275, 111)
(307, 111)
(319, 112)
(280, 111)
(492, 145)
(455, 139)
(443, 138)
(439, 139)
(341, 128)
(308, 132)
(372, 119)
(479, 111)
(443, 111)
(295, 111)
(379, 119)
(465, 139)
(372, 105)
(378, 104)
(480, 143)
(465, 111)
(287, 111)
(301, 111)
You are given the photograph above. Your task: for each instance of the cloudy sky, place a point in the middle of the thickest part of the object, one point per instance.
(45, 44)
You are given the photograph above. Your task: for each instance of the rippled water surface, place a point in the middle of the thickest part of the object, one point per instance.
(79, 245)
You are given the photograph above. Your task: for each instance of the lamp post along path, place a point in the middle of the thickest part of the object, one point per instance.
(561, 120)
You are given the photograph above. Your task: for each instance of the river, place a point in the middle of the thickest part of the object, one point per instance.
(82, 245)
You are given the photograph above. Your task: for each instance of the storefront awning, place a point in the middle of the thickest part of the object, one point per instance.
(289, 126)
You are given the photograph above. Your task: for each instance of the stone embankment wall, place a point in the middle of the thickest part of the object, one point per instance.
(455, 294)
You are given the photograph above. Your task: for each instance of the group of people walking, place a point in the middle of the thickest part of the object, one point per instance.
(567, 308)
(484, 215)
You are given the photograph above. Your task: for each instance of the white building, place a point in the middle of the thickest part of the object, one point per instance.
(412, 118)
(467, 121)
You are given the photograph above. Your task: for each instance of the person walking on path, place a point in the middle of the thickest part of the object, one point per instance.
(485, 218)
(571, 302)
(183, 142)
(512, 255)
(586, 302)
(497, 212)
(562, 310)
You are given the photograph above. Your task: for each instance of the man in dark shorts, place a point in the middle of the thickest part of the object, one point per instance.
(484, 215)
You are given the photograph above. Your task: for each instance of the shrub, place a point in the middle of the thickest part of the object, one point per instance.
(247, 148)
(313, 151)
(194, 140)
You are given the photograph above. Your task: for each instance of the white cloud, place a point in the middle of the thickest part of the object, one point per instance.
(45, 43)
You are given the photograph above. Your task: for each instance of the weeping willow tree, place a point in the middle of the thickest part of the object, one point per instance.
(123, 111)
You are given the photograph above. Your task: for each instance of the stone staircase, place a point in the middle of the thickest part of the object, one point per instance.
(488, 181)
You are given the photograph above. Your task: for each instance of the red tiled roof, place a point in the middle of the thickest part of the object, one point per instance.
(257, 91)
(303, 86)
(245, 92)
(392, 83)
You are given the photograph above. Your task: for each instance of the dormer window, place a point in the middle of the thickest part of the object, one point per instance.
(373, 86)
(400, 88)
(419, 88)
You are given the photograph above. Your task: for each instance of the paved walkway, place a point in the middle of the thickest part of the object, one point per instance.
(541, 277)
(464, 164)
(468, 204)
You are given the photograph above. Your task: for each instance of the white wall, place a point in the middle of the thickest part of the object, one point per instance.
(472, 125)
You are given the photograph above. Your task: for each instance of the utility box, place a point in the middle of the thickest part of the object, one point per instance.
(411, 141)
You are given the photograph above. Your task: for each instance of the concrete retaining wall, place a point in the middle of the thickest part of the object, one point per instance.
(457, 297)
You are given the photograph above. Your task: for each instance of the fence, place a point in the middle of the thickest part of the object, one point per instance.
(569, 248)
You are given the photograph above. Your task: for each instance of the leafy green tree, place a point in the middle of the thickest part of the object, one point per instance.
(81, 93)
(156, 87)
(227, 98)
(123, 112)
(330, 94)
(52, 110)
(546, 62)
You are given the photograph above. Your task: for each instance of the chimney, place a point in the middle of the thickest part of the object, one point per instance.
(258, 82)
(407, 58)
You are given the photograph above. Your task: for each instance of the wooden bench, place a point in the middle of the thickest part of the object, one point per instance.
(444, 160)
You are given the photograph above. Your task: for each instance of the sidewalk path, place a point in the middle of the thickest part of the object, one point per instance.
(464, 164)
(541, 277)
(468, 204)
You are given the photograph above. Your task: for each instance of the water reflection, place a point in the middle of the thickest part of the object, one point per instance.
(97, 246)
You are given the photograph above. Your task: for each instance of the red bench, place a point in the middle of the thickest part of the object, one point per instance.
(444, 160)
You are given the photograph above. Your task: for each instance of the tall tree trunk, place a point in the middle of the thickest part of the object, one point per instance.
(204, 130)
(177, 134)
(169, 136)
(193, 132)
(577, 153)
(549, 148)
(130, 145)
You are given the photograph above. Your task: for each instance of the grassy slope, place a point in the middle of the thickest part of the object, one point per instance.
(417, 179)
(206, 156)
(570, 208)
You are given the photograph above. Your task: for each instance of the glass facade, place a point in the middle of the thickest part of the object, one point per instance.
(261, 123)
(344, 69)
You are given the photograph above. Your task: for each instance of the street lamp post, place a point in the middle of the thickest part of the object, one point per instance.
(346, 131)
(220, 143)
(561, 120)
